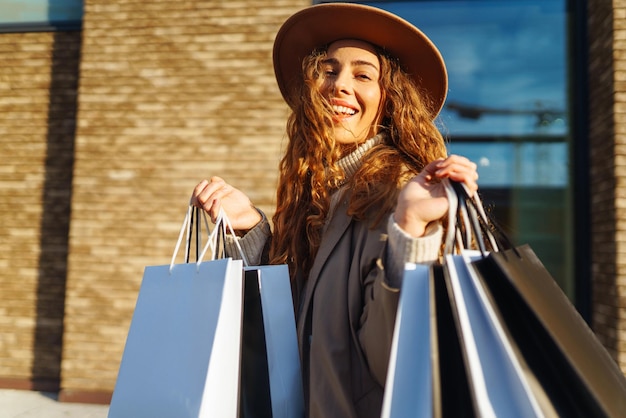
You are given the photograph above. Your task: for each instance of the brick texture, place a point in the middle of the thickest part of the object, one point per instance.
(607, 136)
(170, 93)
(38, 78)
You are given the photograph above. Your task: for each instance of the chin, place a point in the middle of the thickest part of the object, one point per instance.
(346, 137)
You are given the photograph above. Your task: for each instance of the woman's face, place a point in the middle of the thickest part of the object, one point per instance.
(350, 82)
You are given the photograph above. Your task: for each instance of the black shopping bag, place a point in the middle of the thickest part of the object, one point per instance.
(571, 367)
(271, 382)
(452, 388)
(575, 370)
(254, 397)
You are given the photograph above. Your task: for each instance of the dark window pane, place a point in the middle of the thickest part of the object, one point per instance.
(507, 111)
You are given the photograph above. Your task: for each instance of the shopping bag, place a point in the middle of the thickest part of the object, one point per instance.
(570, 372)
(182, 353)
(453, 397)
(578, 374)
(426, 376)
(410, 375)
(497, 380)
(524, 349)
(271, 383)
(500, 381)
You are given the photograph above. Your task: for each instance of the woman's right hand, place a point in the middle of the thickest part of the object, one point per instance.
(424, 200)
(212, 194)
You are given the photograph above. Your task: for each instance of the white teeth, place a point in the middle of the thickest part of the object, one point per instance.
(344, 110)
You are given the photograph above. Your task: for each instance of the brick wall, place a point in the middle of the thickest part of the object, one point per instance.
(170, 93)
(38, 77)
(607, 128)
(617, 295)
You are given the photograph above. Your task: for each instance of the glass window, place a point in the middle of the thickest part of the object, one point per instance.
(507, 110)
(32, 15)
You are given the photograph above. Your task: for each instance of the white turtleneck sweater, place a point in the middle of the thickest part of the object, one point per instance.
(402, 248)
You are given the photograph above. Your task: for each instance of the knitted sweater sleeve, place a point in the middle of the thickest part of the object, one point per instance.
(252, 243)
(402, 248)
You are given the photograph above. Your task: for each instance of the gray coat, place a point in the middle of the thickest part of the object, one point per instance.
(345, 321)
(346, 310)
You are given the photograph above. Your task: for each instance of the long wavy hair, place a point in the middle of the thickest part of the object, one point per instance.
(308, 172)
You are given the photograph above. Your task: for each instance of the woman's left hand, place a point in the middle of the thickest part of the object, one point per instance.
(423, 199)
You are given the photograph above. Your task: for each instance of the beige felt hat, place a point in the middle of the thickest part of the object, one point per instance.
(322, 24)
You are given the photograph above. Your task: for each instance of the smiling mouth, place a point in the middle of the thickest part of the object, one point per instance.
(344, 111)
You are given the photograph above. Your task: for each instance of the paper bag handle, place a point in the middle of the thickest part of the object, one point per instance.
(223, 225)
(471, 216)
(187, 227)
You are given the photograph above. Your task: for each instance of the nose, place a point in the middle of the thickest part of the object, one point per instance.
(343, 83)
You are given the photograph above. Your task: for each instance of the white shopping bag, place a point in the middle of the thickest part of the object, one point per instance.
(500, 384)
(182, 353)
(409, 385)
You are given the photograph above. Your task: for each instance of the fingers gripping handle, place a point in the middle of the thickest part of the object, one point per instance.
(222, 227)
(467, 217)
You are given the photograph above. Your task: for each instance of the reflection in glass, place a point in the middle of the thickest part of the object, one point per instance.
(507, 110)
(506, 62)
(519, 164)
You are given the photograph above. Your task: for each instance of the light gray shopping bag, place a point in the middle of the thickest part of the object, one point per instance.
(410, 381)
(500, 381)
(182, 353)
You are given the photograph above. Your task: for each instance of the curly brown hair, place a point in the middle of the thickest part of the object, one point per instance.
(309, 172)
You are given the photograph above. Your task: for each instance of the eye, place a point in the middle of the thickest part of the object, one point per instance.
(363, 76)
(328, 70)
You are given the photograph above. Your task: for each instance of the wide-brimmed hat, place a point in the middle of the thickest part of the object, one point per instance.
(319, 25)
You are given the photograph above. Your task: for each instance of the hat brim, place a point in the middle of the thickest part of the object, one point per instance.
(322, 24)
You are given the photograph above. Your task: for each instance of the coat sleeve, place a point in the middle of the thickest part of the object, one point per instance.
(382, 291)
(377, 322)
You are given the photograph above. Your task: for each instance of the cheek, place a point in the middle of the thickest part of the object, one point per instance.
(324, 86)
(374, 101)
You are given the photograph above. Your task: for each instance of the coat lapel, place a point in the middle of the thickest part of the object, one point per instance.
(336, 228)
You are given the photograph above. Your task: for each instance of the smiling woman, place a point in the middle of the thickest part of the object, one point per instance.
(360, 191)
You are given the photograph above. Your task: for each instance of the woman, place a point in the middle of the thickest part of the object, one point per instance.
(359, 192)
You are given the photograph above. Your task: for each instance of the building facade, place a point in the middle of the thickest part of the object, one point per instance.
(106, 128)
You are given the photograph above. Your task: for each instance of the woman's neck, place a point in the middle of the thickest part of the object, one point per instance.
(351, 162)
